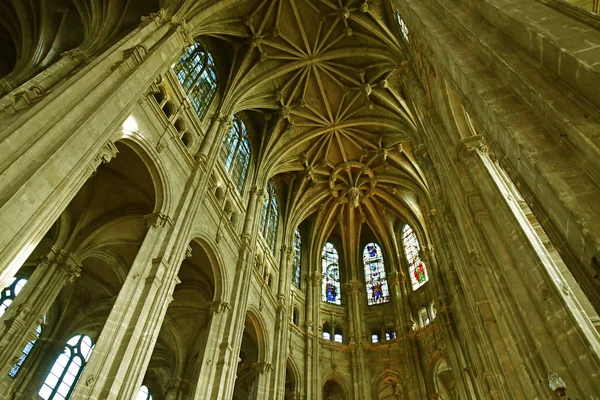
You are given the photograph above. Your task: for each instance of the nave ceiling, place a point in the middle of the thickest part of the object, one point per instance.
(327, 77)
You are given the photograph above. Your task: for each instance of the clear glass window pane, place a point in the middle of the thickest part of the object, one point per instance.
(337, 338)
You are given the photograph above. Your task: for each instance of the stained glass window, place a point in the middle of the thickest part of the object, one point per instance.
(297, 258)
(67, 369)
(377, 286)
(196, 73)
(143, 394)
(416, 267)
(270, 217)
(24, 353)
(331, 275)
(235, 153)
(10, 292)
(402, 24)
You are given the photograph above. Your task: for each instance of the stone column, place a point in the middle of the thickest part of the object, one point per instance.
(313, 335)
(282, 326)
(355, 290)
(118, 361)
(229, 349)
(47, 149)
(204, 370)
(19, 322)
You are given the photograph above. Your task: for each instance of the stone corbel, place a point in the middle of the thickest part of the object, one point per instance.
(262, 367)
(157, 220)
(106, 153)
(188, 251)
(219, 307)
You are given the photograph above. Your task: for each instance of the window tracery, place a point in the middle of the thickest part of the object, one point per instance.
(235, 153)
(331, 275)
(270, 217)
(67, 369)
(196, 73)
(416, 267)
(10, 292)
(297, 258)
(375, 278)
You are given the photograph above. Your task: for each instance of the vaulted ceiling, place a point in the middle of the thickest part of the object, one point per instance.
(330, 72)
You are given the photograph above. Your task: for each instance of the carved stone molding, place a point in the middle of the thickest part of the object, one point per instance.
(77, 54)
(157, 220)
(180, 26)
(71, 267)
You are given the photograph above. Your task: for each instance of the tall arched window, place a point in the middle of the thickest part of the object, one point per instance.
(144, 394)
(297, 258)
(196, 73)
(331, 275)
(377, 286)
(416, 270)
(402, 24)
(270, 217)
(10, 292)
(24, 353)
(67, 369)
(235, 153)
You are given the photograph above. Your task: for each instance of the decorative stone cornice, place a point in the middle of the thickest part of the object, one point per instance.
(157, 220)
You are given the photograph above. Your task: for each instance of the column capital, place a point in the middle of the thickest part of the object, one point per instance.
(262, 367)
(471, 145)
(71, 268)
(159, 17)
(394, 278)
(353, 287)
(219, 307)
(315, 278)
(104, 155)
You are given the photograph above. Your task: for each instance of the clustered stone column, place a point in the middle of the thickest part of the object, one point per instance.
(19, 322)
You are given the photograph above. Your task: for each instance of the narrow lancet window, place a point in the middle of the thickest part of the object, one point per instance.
(24, 353)
(297, 258)
(402, 24)
(331, 275)
(196, 73)
(270, 217)
(375, 279)
(235, 153)
(67, 369)
(416, 267)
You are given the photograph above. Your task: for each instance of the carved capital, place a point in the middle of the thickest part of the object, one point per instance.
(219, 307)
(315, 279)
(71, 268)
(393, 278)
(157, 220)
(77, 54)
(262, 367)
(159, 17)
(470, 146)
(180, 26)
(188, 251)
(106, 153)
(354, 287)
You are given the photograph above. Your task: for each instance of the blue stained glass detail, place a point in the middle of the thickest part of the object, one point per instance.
(375, 278)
